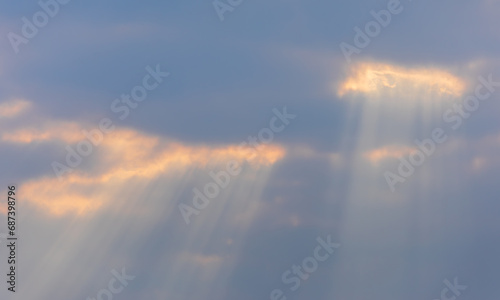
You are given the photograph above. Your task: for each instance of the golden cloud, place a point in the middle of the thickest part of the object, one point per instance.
(69, 132)
(377, 79)
(122, 157)
(377, 155)
(13, 108)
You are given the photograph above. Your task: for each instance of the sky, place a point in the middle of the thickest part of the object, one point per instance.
(236, 149)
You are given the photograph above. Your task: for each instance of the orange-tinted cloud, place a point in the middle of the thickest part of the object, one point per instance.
(69, 132)
(377, 155)
(378, 79)
(125, 156)
(486, 156)
(13, 108)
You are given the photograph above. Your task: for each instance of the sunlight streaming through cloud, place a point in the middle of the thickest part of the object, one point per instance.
(379, 79)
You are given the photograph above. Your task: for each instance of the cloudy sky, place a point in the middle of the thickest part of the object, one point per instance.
(237, 149)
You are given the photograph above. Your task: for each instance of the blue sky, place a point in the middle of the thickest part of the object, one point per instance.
(345, 164)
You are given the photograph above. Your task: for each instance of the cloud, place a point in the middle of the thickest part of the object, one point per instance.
(69, 132)
(124, 156)
(375, 156)
(484, 154)
(201, 259)
(379, 79)
(13, 108)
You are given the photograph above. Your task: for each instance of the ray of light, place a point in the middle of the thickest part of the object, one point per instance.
(393, 104)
